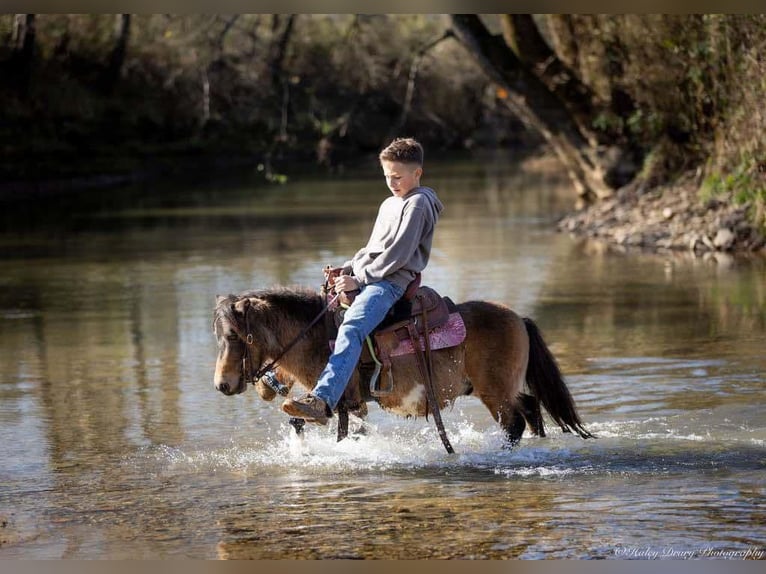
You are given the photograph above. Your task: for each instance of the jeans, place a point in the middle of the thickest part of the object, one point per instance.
(365, 313)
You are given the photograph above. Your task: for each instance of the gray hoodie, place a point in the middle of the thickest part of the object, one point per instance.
(400, 243)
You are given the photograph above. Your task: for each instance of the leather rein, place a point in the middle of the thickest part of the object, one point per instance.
(247, 360)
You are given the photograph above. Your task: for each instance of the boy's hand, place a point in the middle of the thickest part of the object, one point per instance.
(345, 283)
(330, 271)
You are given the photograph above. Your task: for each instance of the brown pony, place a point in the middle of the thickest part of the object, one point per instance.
(501, 351)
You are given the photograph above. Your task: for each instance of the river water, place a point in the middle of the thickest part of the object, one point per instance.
(114, 444)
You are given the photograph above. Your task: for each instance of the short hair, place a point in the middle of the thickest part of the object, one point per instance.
(405, 150)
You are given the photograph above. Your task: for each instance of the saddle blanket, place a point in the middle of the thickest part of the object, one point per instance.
(451, 334)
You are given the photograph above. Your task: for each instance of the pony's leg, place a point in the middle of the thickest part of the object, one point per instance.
(355, 405)
(297, 424)
(498, 386)
(497, 352)
(342, 420)
(508, 413)
(530, 409)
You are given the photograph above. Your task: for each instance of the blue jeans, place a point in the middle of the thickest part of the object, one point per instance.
(365, 313)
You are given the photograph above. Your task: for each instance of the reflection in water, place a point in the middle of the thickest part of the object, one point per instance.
(682, 305)
(114, 444)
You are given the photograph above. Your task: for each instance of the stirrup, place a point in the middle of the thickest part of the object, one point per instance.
(380, 391)
(375, 390)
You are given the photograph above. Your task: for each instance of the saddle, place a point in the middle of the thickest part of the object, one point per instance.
(405, 331)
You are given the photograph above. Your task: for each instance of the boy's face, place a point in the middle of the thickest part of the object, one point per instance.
(401, 178)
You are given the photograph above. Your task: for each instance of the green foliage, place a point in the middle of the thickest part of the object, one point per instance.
(684, 74)
(608, 122)
(744, 184)
(685, 90)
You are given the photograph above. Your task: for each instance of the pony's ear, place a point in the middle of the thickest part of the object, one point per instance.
(219, 299)
(242, 305)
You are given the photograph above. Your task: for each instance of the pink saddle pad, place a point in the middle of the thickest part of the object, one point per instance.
(451, 334)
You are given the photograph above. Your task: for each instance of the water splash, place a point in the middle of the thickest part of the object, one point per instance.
(656, 445)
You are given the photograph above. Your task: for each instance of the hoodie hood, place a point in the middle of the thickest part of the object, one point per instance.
(433, 199)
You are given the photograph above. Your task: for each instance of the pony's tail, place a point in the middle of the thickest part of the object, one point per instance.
(546, 383)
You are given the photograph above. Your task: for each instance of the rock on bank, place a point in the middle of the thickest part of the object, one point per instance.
(668, 219)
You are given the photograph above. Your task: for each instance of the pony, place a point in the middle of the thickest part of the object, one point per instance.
(501, 352)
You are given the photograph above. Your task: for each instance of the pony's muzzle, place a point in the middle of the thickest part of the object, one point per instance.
(228, 390)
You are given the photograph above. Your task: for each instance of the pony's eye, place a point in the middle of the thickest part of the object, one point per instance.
(233, 338)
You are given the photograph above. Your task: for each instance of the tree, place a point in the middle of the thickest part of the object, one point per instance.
(550, 99)
(411, 78)
(523, 37)
(23, 46)
(119, 51)
(278, 54)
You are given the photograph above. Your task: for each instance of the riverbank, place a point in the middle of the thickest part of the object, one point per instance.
(668, 218)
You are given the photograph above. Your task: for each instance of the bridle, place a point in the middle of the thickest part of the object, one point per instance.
(247, 337)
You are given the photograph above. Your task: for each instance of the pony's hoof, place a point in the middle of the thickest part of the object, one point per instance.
(265, 391)
(510, 444)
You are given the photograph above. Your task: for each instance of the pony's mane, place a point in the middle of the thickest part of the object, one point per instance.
(300, 303)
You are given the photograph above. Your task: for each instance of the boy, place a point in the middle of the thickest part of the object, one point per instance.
(398, 249)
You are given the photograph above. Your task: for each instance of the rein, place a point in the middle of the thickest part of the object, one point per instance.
(248, 339)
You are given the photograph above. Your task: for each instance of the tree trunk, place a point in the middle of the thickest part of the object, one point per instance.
(562, 31)
(276, 65)
(23, 40)
(534, 104)
(279, 50)
(522, 35)
(208, 72)
(620, 155)
(120, 50)
(228, 25)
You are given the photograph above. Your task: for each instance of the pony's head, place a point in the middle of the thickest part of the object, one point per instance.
(229, 327)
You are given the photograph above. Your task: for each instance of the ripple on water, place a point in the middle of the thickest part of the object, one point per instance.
(631, 386)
